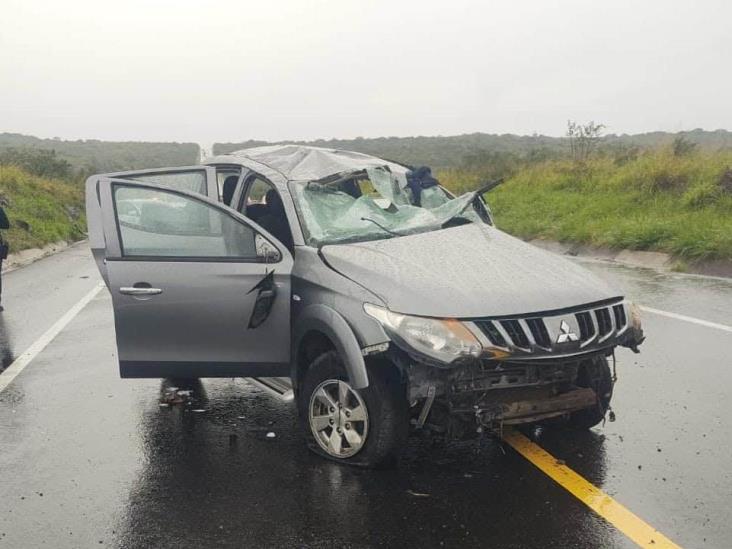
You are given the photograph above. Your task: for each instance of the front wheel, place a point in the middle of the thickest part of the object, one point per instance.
(364, 427)
(595, 374)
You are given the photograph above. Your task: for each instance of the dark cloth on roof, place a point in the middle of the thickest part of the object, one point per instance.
(418, 179)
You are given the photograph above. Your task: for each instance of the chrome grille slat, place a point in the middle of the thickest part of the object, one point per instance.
(604, 322)
(620, 317)
(523, 323)
(490, 330)
(594, 326)
(536, 330)
(508, 339)
(515, 332)
(586, 325)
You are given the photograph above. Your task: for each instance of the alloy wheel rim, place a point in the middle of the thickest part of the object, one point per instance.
(338, 418)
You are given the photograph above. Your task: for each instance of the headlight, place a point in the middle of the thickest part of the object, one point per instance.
(443, 340)
(636, 330)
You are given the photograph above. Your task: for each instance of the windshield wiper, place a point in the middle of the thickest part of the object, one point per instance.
(490, 185)
(380, 226)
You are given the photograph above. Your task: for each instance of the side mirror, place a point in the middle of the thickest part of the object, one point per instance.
(266, 250)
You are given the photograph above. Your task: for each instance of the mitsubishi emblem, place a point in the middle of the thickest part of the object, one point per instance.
(565, 333)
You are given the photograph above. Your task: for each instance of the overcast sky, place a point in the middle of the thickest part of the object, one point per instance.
(220, 71)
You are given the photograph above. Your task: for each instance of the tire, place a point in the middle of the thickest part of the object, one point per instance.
(595, 374)
(382, 433)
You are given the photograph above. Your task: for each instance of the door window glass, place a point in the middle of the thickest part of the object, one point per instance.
(157, 223)
(182, 181)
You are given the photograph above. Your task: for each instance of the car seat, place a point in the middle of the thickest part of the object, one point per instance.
(228, 189)
(274, 220)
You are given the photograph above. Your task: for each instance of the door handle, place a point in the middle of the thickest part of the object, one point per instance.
(140, 291)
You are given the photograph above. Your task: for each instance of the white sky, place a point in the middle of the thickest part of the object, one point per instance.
(223, 71)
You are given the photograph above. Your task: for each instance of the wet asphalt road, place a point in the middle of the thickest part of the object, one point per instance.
(89, 459)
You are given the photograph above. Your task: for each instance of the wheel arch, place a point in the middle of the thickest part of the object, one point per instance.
(323, 327)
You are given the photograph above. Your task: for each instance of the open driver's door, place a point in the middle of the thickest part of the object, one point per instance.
(198, 290)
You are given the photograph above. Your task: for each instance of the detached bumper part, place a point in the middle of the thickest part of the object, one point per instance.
(529, 411)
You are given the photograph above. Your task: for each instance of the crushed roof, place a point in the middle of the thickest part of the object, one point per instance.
(305, 163)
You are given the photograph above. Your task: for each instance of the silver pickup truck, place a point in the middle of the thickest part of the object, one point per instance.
(358, 287)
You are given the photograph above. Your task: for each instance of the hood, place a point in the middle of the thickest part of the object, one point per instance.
(466, 272)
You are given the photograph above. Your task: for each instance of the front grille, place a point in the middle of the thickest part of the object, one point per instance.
(592, 324)
(515, 332)
(604, 323)
(538, 331)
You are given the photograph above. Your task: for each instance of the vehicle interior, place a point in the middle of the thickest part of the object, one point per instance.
(262, 204)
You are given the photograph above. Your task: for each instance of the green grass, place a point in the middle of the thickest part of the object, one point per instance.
(41, 210)
(680, 205)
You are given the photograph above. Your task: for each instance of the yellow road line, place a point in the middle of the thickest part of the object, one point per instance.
(616, 514)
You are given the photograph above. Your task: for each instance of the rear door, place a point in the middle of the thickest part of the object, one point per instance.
(198, 290)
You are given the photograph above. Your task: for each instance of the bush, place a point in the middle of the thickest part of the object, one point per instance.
(682, 146)
(41, 210)
(701, 195)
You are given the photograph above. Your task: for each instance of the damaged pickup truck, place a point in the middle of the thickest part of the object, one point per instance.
(358, 287)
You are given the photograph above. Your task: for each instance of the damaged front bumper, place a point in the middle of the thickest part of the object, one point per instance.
(529, 368)
(486, 395)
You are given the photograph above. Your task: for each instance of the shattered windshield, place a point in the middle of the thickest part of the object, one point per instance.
(376, 204)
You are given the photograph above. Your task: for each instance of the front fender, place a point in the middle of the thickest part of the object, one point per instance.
(330, 323)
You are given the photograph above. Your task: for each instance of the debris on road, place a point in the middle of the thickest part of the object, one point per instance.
(173, 395)
(271, 435)
(417, 494)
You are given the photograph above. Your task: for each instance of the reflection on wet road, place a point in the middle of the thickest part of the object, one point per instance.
(88, 458)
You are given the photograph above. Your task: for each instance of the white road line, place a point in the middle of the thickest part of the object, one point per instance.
(685, 318)
(23, 360)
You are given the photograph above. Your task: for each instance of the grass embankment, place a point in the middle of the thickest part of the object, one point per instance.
(41, 210)
(676, 204)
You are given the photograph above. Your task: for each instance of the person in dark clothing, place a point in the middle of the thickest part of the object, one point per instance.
(4, 224)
